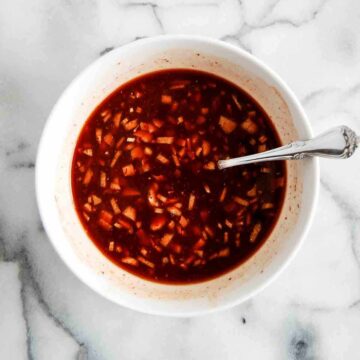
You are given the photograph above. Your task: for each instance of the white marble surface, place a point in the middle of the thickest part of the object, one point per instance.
(312, 311)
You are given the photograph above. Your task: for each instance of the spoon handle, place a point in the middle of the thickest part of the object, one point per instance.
(339, 142)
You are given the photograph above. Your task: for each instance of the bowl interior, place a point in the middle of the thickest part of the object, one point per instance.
(54, 181)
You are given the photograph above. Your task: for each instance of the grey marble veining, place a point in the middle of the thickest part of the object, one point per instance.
(311, 311)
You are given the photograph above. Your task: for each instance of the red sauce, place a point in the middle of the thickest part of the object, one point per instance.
(146, 185)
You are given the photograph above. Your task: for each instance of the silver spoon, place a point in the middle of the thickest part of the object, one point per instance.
(339, 142)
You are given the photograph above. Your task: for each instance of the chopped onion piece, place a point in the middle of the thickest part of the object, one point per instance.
(129, 261)
(227, 125)
(158, 222)
(171, 225)
(111, 246)
(162, 159)
(183, 221)
(166, 99)
(115, 206)
(241, 201)
(115, 158)
(209, 166)
(120, 142)
(152, 195)
(88, 207)
(262, 139)
(176, 160)
(146, 262)
(130, 213)
(228, 223)
(109, 139)
(199, 244)
(148, 151)
(128, 170)
(166, 239)
(130, 125)
(88, 176)
(115, 185)
(165, 140)
(96, 200)
(236, 101)
(105, 225)
(158, 123)
(162, 198)
(250, 126)
(207, 188)
(144, 136)
(181, 142)
(223, 194)
(137, 152)
(224, 252)
(255, 232)
(88, 152)
(117, 119)
(252, 192)
(206, 148)
(262, 148)
(174, 211)
(191, 201)
(265, 170)
(266, 206)
(209, 231)
(102, 179)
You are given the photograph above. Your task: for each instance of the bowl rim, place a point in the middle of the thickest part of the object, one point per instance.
(313, 171)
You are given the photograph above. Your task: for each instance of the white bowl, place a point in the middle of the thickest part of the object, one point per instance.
(53, 185)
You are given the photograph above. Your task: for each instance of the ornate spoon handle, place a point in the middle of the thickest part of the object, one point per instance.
(340, 143)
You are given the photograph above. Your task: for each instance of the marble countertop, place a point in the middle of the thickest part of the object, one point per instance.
(312, 311)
